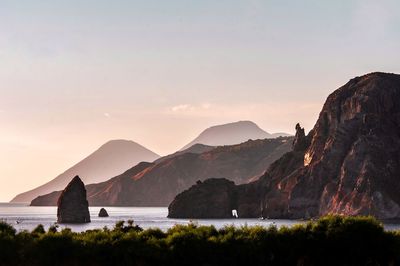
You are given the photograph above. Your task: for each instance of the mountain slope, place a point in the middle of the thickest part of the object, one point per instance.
(156, 184)
(110, 159)
(196, 148)
(232, 133)
(348, 164)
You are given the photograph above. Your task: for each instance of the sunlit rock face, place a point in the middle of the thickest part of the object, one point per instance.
(354, 156)
(349, 163)
(307, 159)
(72, 205)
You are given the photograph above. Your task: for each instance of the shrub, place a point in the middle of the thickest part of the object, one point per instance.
(331, 240)
(39, 230)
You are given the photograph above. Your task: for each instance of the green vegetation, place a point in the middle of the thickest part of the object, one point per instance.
(331, 240)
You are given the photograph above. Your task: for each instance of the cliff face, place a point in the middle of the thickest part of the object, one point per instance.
(156, 184)
(348, 164)
(353, 162)
(72, 206)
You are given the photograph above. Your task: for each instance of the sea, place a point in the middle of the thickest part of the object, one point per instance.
(23, 217)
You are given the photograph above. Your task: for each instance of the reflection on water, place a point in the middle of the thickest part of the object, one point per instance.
(29, 217)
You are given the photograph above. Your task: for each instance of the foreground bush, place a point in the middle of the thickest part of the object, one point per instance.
(331, 240)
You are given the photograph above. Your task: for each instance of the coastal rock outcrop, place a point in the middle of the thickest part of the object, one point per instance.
(191, 204)
(72, 205)
(103, 213)
(349, 163)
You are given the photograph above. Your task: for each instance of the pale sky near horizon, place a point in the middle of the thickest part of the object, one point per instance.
(75, 74)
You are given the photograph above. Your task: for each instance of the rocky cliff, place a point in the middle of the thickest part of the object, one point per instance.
(72, 206)
(156, 184)
(348, 164)
(218, 191)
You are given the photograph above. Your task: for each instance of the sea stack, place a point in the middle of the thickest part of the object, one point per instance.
(103, 213)
(72, 205)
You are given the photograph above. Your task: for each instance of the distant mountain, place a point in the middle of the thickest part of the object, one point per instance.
(232, 133)
(156, 184)
(110, 159)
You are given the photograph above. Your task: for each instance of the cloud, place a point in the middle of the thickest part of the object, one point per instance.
(107, 115)
(206, 106)
(190, 109)
(181, 107)
(207, 109)
(278, 116)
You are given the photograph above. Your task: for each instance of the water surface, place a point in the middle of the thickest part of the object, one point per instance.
(24, 217)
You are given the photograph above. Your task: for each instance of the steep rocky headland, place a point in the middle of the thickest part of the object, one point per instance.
(348, 164)
(156, 184)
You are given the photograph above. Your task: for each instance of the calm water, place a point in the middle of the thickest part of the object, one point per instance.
(29, 217)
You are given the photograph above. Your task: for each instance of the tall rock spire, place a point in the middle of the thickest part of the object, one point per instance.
(72, 204)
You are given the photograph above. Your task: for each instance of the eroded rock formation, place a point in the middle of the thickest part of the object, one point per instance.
(72, 205)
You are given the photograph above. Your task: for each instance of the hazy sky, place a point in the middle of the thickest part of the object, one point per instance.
(74, 74)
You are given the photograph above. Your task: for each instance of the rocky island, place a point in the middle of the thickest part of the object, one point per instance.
(103, 213)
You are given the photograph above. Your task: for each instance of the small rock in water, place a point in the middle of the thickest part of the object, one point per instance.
(72, 205)
(103, 213)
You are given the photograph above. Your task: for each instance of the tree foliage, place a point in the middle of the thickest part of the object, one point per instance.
(331, 240)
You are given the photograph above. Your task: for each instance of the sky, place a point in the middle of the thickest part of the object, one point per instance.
(75, 74)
